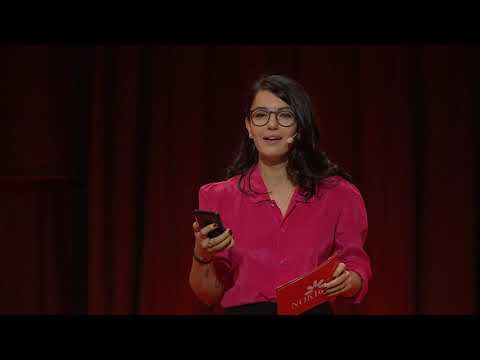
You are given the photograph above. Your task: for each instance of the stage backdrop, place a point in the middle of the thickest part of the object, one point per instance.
(104, 150)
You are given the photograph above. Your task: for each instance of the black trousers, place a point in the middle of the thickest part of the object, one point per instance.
(269, 308)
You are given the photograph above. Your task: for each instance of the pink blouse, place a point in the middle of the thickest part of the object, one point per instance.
(271, 249)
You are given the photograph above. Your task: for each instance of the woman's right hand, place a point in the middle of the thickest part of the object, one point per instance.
(205, 247)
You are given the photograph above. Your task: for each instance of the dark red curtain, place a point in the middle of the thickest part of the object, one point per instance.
(44, 112)
(106, 147)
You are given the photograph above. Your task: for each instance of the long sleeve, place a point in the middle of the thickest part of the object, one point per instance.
(350, 236)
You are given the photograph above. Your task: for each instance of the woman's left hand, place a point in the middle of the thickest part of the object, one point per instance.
(345, 282)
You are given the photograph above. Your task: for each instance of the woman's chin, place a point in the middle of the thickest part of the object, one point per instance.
(273, 157)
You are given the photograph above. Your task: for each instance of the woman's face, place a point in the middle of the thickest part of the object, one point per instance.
(271, 138)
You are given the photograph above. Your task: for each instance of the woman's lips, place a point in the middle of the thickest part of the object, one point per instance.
(272, 139)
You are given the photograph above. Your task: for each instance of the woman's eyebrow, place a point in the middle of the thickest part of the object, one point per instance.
(264, 107)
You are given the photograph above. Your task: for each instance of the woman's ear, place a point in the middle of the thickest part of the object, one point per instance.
(248, 127)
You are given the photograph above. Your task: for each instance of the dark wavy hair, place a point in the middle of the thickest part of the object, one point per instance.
(307, 165)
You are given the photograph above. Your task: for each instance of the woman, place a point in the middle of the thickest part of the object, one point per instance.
(287, 209)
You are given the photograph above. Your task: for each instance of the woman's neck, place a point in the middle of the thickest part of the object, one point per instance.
(274, 174)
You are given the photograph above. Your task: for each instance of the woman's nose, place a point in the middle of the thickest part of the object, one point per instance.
(272, 122)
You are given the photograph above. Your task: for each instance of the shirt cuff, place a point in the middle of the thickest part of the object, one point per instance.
(360, 295)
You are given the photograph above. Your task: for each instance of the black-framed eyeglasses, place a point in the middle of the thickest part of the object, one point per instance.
(261, 117)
